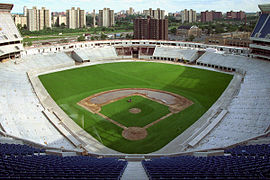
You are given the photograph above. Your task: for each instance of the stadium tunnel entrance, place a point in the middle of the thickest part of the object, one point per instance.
(135, 53)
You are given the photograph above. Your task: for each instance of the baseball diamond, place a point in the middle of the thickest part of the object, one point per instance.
(174, 102)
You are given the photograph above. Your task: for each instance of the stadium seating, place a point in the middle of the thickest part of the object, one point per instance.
(259, 24)
(265, 29)
(19, 162)
(175, 53)
(16, 149)
(9, 30)
(95, 54)
(250, 150)
(248, 113)
(215, 167)
(20, 110)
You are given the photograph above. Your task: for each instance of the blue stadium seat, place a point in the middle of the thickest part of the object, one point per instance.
(19, 162)
(259, 24)
(250, 150)
(266, 29)
(251, 165)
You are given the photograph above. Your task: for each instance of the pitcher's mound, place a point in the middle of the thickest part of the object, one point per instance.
(135, 110)
(134, 133)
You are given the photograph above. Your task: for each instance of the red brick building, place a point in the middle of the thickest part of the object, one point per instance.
(209, 16)
(236, 15)
(151, 29)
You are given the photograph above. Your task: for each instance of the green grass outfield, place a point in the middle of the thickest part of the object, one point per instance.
(200, 86)
(150, 111)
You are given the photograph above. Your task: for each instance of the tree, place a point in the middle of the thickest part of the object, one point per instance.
(29, 43)
(81, 38)
(103, 36)
(89, 20)
(92, 38)
(63, 25)
(19, 26)
(173, 30)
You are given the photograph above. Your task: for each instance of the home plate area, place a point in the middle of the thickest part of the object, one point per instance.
(97, 103)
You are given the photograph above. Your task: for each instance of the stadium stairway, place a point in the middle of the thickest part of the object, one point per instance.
(134, 171)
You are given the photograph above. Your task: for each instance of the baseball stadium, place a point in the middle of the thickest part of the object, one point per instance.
(134, 109)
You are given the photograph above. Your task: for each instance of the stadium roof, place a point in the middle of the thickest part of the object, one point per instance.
(265, 8)
(6, 7)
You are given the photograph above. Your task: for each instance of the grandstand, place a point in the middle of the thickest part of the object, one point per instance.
(249, 108)
(175, 54)
(10, 38)
(255, 165)
(260, 37)
(24, 162)
(94, 54)
(135, 51)
(21, 112)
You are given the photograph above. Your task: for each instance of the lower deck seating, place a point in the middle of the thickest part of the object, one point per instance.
(24, 166)
(251, 166)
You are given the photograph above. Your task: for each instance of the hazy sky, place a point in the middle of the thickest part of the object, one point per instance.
(138, 5)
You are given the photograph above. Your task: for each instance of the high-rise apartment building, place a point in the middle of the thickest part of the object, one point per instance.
(155, 14)
(59, 19)
(94, 18)
(106, 17)
(209, 16)
(188, 16)
(75, 18)
(130, 11)
(38, 19)
(24, 11)
(18, 19)
(149, 28)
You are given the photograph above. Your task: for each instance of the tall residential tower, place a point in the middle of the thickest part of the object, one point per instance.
(38, 19)
(188, 16)
(155, 14)
(151, 28)
(75, 18)
(106, 17)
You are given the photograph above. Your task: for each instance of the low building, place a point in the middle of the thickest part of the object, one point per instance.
(239, 39)
(187, 31)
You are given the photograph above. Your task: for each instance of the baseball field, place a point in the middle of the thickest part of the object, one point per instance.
(135, 107)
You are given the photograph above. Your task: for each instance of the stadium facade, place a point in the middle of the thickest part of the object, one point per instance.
(260, 37)
(10, 38)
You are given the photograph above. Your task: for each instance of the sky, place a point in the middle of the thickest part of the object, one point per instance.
(139, 5)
